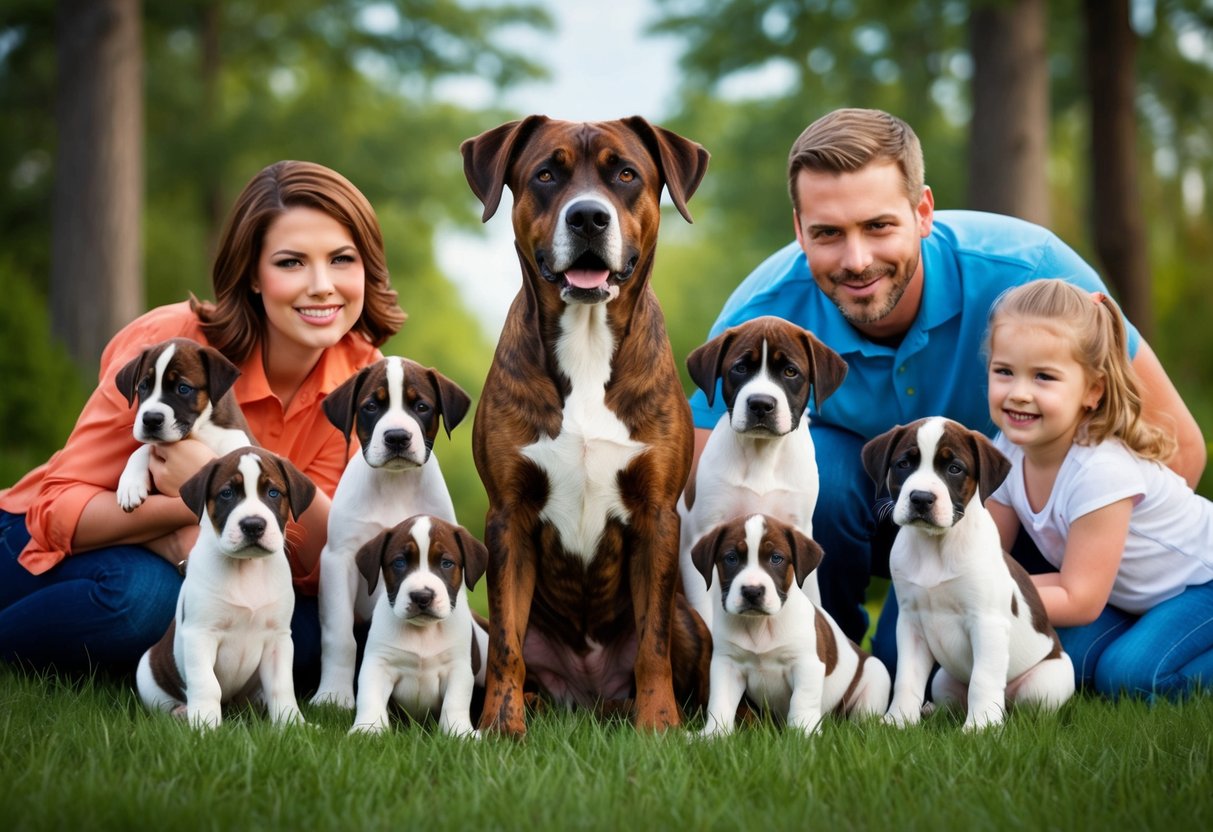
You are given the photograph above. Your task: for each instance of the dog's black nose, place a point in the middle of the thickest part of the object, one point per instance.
(397, 439)
(752, 594)
(587, 218)
(921, 501)
(153, 420)
(760, 405)
(252, 527)
(422, 597)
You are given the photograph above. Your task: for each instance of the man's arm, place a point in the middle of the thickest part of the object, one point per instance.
(1162, 406)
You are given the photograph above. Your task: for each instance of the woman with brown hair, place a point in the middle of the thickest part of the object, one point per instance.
(302, 300)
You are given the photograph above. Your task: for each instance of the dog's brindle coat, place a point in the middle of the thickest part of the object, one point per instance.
(583, 436)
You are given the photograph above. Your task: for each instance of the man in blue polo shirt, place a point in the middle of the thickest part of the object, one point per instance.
(902, 293)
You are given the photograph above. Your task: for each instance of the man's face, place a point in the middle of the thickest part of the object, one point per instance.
(863, 240)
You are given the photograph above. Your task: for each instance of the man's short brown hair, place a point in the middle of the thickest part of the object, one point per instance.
(849, 139)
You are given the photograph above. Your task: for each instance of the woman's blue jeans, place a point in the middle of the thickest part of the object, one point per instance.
(102, 609)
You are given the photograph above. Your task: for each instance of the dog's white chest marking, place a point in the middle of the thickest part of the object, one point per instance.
(583, 462)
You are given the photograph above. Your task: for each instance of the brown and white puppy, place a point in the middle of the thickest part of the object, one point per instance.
(184, 390)
(230, 640)
(759, 457)
(962, 602)
(395, 407)
(425, 648)
(770, 644)
(583, 435)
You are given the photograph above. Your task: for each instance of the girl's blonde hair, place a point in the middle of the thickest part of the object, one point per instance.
(1094, 326)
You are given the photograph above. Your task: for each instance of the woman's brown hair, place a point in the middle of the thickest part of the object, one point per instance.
(235, 322)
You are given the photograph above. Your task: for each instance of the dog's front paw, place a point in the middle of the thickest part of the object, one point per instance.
(902, 717)
(133, 490)
(332, 696)
(981, 720)
(370, 728)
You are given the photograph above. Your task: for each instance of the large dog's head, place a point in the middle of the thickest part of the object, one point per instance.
(425, 561)
(933, 468)
(395, 406)
(176, 382)
(756, 558)
(245, 497)
(766, 368)
(586, 196)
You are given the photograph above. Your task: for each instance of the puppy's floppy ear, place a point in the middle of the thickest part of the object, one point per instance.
(300, 489)
(487, 158)
(829, 368)
(128, 377)
(370, 558)
(807, 554)
(194, 490)
(475, 556)
(993, 465)
(703, 553)
(341, 405)
(877, 455)
(703, 364)
(221, 374)
(453, 403)
(682, 162)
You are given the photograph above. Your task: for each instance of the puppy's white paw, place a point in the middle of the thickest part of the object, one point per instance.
(133, 490)
(367, 728)
(332, 696)
(902, 717)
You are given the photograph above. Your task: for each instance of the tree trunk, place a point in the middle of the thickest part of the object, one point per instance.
(1120, 239)
(97, 243)
(1009, 131)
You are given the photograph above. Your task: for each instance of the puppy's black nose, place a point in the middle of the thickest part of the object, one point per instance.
(753, 594)
(422, 597)
(253, 527)
(153, 420)
(397, 439)
(587, 219)
(921, 501)
(760, 405)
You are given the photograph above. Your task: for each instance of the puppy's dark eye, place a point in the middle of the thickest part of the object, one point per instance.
(627, 175)
(400, 564)
(956, 469)
(421, 407)
(739, 369)
(370, 407)
(776, 559)
(730, 558)
(545, 176)
(144, 385)
(184, 389)
(902, 463)
(226, 494)
(447, 564)
(791, 372)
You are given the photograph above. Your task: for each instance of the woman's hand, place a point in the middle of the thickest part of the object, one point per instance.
(173, 464)
(175, 546)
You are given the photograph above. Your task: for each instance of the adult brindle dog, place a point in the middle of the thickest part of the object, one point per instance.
(583, 435)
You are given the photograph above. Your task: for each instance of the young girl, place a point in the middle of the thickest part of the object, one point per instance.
(302, 301)
(1133, 545)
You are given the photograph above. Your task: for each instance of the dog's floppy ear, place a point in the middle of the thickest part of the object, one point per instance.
(340, 405)
(370, 558)
(221, 374)
(682, 162)
(453, 403)
(703, 553)
(475, 556)
(194, 490)
(993, 465)
(127, 379)
(487, 157)
(703, 364)
(300, 489)
(829, 368)
(807, 554)
(877, 455)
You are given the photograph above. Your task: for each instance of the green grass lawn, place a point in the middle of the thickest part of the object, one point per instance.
(86, 755)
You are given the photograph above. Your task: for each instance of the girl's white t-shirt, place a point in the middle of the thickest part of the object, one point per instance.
(1170, 541)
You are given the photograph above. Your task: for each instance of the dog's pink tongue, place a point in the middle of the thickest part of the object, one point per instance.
(587, 278)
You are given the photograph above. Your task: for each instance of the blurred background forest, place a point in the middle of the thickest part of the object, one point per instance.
(130, 126)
